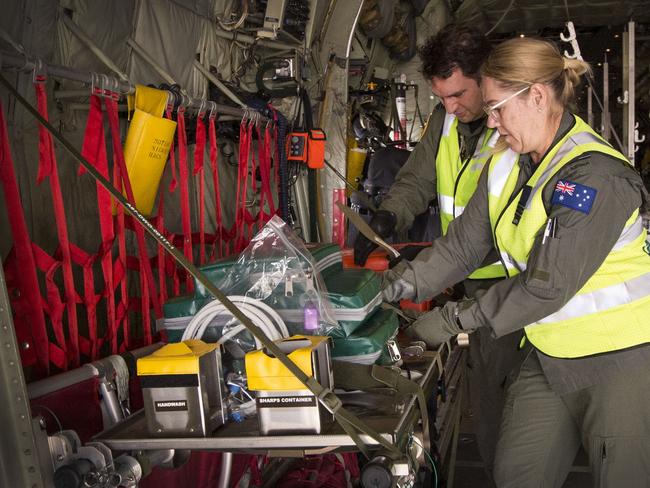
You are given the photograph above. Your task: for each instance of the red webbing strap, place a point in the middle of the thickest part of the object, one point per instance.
(242, 186)
(147, 284)
(250, 218)
(259, 152)
(28, 313)
(199, 152)
(94, 150)
(185, 195)
(241, 163)
(212, 132)
(47, 167)
(119, 269)
(162, 257)
(176, 276)
(159, 222)
(53, 305)
(89, 346)
(172, 156)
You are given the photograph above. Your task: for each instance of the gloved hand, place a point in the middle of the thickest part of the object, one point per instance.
(407, 252)
(395, 288)
(383, 223)
(437, 326)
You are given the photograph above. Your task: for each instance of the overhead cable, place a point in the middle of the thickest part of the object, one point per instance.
(125, 87)
(503, 16)
(220, 86)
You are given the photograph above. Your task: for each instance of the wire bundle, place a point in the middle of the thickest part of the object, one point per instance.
(263, 316)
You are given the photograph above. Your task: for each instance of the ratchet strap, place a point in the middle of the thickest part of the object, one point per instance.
(350, 423)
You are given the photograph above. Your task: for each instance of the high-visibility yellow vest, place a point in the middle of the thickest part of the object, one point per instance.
(457, 180)
(611, 311)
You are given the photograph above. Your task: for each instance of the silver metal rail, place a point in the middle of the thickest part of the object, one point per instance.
(629, 82)
(19, 464)
(27, 64)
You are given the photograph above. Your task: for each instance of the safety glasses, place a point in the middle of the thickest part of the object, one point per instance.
(494, 110)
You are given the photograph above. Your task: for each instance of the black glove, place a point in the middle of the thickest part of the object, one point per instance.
(383, 223)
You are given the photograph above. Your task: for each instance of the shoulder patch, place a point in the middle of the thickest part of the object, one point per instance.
(574, 195)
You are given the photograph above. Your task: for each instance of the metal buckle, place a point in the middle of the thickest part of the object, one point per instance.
(393, 351)
(326, 396)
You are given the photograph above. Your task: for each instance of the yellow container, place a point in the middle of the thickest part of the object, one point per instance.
(355, 161)
(147, 146)
(284, 404)
(266, 372)
(183, 389)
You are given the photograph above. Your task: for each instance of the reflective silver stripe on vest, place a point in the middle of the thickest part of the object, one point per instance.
(479, 144)
(446, 204)
(602, 300)
(569, 145)
(629, 234)
(458, 211)
(478, 153)
(493, 139)
(499, 174)
(510, 264)
(446, 126)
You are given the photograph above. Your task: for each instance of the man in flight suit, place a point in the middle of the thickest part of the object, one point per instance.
(447, 164)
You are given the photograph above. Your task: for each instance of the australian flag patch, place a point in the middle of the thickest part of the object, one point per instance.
(573, 195)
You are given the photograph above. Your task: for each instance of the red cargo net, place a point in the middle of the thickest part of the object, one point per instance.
(53, 294)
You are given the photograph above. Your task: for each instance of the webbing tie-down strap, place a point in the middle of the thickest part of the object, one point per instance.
(199, 150)
(365, 377)
(94, 150)
(183, 171)
(25, 269)
(48, 168)
(212, 132)
(350, 423)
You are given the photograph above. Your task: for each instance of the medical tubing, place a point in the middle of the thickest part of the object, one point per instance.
(258, 312)
(197, 326)
(259, 318)
(267, 312)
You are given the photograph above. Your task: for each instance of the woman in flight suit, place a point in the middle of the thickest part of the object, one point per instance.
(561, 206)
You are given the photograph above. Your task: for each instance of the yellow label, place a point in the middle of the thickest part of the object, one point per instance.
(264, 372)
(177, 358)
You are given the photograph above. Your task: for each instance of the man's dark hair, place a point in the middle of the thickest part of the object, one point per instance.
(455, 46)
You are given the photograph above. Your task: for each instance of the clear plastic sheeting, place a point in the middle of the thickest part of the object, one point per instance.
(277, 269)
(275, 282)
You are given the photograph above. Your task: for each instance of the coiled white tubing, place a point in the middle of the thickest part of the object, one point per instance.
(263, 316)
